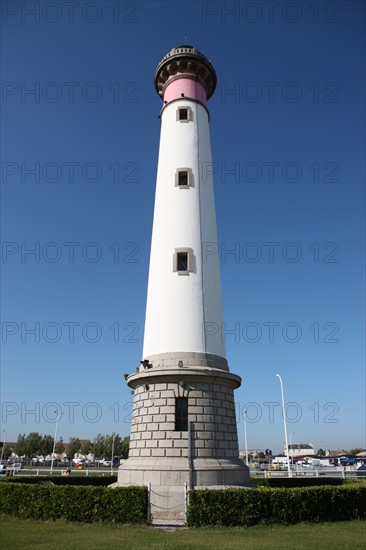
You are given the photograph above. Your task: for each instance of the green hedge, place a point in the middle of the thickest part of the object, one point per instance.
(296, 481)
(87, 504)
(245, 507)
(96, 481)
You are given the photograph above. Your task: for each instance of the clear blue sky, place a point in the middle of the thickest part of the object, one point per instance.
(287, 116)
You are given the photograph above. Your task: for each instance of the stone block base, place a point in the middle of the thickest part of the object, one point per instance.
(175, 471)
(168, 477)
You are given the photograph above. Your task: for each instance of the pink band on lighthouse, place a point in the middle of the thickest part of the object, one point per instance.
(185, 87)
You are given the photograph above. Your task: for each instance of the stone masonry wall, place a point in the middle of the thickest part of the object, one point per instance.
(211, 410)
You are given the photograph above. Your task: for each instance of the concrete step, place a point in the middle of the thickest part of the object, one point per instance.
(168, 522)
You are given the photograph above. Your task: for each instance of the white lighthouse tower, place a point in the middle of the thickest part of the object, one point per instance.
(183, 423)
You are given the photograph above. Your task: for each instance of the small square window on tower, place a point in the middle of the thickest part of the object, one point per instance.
(184, 114)
(183, 178)
(181, 414)
(182, 261)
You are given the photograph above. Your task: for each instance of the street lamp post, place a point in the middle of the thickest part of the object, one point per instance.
(284, 424)
(292, 451)
(54, 441)
(245, 437)
(114, 437)
(3, 447)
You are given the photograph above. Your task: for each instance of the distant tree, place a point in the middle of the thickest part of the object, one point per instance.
(120, 448)
(98, 446)
(6, 452)
(74, 447)
(109, 444)
(356, 451)
(46, 445)
(102, 446)
(20, 446)
(320, 452)
(33, 444)
(85, 447)
(125, 447)
(59, 447)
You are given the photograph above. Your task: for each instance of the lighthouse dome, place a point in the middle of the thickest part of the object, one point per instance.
(185, 62)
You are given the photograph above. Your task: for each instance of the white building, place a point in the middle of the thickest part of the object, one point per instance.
(300, 449)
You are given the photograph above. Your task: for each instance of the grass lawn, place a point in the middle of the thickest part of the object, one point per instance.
(18, 534)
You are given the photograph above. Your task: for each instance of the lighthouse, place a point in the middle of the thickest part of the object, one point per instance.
(184, 430)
